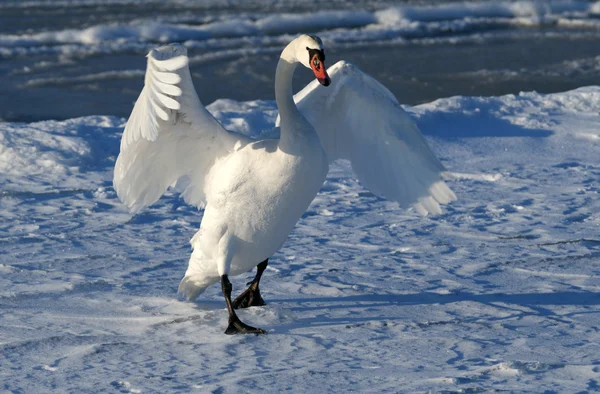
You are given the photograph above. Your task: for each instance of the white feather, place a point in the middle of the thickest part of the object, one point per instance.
(166, 77)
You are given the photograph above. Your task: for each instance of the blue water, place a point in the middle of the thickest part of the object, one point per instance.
(67, 58)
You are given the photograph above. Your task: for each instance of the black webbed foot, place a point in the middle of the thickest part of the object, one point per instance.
(236, 326)
(250, 297)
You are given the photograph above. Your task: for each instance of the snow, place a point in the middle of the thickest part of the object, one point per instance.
(500, 292)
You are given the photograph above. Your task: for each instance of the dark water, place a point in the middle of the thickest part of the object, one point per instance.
(43, 78)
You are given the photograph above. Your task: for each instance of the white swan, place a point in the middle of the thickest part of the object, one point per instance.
(254, 192)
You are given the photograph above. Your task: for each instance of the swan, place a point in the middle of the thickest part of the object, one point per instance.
(253, 192)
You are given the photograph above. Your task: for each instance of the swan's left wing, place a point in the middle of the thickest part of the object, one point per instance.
(358, 119)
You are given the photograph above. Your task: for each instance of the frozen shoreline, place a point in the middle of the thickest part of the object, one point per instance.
(501, 292)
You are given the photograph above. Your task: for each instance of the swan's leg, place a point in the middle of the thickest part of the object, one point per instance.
(251, 297)
(226, 249)
(236, 326)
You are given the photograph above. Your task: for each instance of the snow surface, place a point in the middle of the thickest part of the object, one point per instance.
(499, 293)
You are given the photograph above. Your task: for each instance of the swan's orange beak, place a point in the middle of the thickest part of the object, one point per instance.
(318, 68)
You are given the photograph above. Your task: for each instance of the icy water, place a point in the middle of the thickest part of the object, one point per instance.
(61, 59)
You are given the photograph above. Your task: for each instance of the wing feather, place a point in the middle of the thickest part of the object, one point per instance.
(358, 119)
(166, 88)
(166, 77)
(170, 137)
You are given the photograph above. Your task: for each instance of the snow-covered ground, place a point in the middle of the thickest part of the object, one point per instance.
(499, 293)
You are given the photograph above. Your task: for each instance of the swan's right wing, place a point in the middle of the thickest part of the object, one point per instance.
(169, 136)
(358, 119)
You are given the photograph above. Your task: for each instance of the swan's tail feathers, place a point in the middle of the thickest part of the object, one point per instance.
(439, 194)
(194, 285)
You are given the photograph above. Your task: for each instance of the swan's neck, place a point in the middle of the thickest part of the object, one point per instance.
(296, 132)
(283, 84)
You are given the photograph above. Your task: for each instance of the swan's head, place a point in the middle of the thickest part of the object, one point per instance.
(310, 53)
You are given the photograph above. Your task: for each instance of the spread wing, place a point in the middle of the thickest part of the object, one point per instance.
(170, 138)
(358, 119)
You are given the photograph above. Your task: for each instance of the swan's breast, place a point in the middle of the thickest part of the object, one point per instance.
(262, 191)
